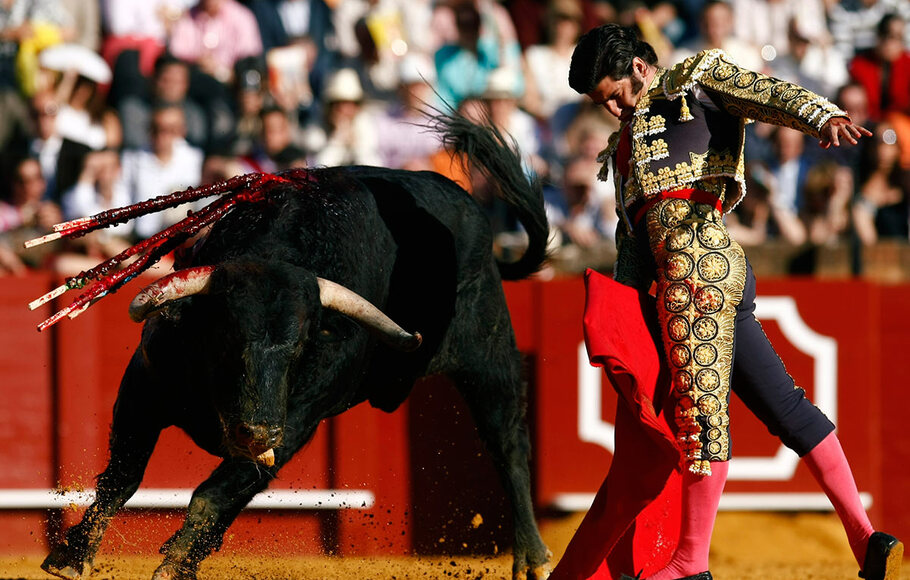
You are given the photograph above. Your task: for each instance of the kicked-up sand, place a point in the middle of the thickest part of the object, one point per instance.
(746, 546)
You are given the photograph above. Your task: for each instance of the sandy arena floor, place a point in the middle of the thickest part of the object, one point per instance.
(747, 546)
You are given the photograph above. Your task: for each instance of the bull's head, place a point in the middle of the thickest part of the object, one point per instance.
(263, 316)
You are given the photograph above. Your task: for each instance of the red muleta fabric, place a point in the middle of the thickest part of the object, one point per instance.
(633, 525)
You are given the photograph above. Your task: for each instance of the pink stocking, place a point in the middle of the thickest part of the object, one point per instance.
(829, 466)
(700, 497)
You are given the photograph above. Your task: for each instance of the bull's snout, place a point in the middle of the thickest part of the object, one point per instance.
(256, 442)
(257, 436)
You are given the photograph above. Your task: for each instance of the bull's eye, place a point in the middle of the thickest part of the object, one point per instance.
(336, 328)
(329, 335)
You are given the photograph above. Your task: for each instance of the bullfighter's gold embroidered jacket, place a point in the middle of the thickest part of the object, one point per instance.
(676, 142)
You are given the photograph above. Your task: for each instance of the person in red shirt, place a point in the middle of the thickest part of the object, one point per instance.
(884, 71)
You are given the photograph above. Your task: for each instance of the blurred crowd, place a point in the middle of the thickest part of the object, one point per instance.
(109, 102)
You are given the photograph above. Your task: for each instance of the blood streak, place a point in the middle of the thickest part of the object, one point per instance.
(253, 188)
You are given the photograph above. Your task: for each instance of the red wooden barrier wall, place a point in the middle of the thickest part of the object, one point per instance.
(845, 341)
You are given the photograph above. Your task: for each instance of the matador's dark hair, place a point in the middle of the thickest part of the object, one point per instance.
(607, 50)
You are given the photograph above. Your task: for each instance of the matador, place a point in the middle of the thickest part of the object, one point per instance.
(677, 160)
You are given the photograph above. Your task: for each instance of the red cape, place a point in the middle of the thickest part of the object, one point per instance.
(633, 524)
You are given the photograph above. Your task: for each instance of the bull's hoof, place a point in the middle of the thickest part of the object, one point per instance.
(61, 563)
(171, 571)
(539, 573)
(531, 567)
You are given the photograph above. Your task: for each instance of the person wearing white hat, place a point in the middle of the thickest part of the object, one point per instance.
(404, 141)
(348, 134)
(501, 96)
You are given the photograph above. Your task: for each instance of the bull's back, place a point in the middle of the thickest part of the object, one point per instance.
(329, 226)
(430, 202)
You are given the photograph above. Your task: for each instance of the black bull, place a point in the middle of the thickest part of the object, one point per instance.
(244, 351)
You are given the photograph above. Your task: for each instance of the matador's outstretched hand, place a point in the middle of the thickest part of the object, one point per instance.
(838, 128)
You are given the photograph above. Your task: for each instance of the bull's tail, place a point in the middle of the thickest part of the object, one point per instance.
(496, 156)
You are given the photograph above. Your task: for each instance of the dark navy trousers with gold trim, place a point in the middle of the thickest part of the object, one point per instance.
(763, 384)
(704, 296)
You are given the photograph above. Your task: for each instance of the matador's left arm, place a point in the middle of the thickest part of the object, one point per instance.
(752, 95)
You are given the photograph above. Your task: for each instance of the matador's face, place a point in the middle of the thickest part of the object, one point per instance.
(620, 96)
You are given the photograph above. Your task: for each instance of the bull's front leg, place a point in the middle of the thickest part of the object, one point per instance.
(133, 437)
(214, 506)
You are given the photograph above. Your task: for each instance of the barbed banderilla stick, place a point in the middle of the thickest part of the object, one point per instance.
(252, 189)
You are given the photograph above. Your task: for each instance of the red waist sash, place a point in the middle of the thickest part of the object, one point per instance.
(696, 195)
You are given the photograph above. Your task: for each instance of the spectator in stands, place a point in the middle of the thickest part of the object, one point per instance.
(853, 23)
(374, 35)
(27, 24)
(218, 167)
(27, 27)
(827, 194)
(716, 31)
(765, 213)
(531, 20)
(764, 23)
(881, 208)
(573, 127)
(169, 164)
(277, 148)
(576, 211)
(300, 41)
(83, 116)
(544, 64)
(348, 133)
(140, 19)
(852, 98)
(584, 141)
(811, 63)
(453, 165)
(250, 95)
(86, 22)
(214, 34)
(84, 122)
(285, 22)
(404, 141)
(46, 141)
(654, 21)
(169, 86)
(28, 204)
(99, 188)
(483, 43)
(788, 167)
(501, 97)
(28, 214)
(140, 25)
(884, 71)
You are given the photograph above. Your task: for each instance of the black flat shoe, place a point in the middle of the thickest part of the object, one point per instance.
(699, 576)
(884, 554)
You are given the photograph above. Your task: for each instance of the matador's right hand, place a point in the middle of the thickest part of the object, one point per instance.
(837, 128)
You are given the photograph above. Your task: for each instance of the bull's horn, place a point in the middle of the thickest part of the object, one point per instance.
(336, 297)
(171, 287)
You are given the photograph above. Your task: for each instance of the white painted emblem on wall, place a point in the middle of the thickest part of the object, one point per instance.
(779, 467)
